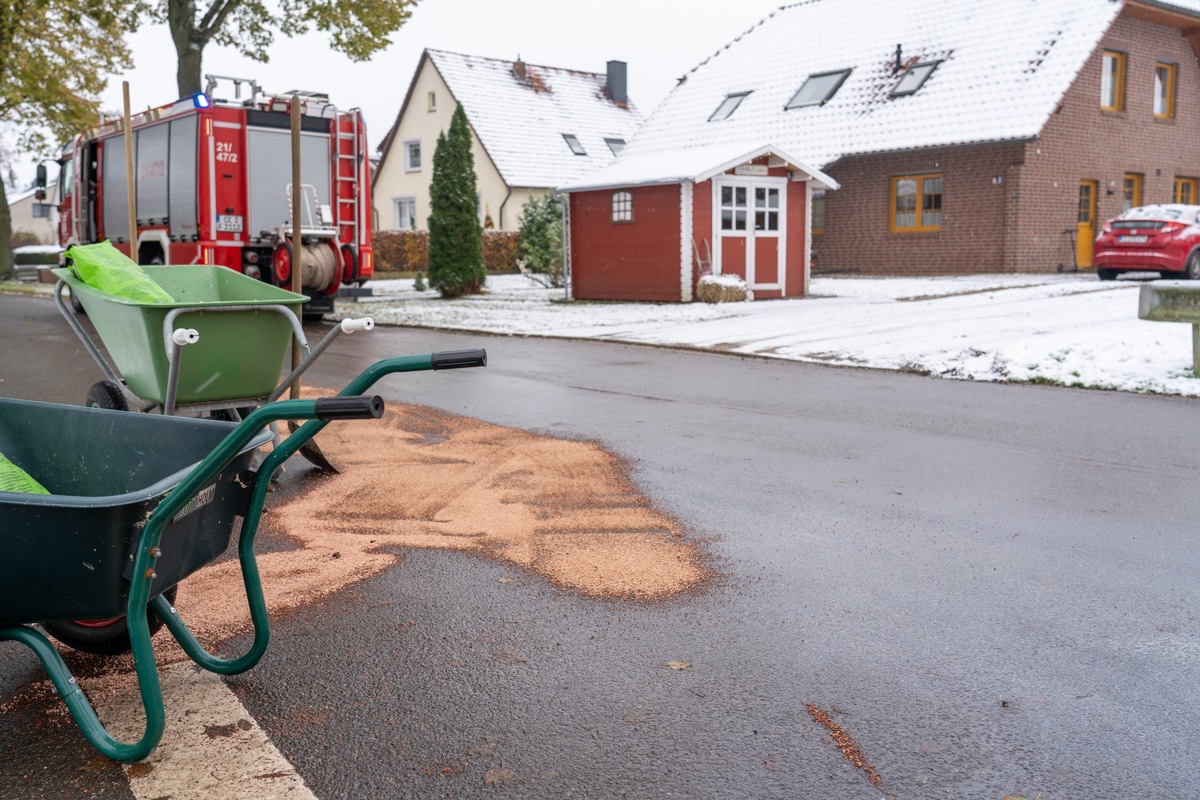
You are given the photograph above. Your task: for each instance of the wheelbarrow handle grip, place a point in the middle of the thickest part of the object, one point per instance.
(356, 407)
(457, 359)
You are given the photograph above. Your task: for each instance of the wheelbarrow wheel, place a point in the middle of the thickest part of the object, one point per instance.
(106, 395)
(107, 637)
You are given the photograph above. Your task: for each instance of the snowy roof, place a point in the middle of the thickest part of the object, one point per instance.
(522, 124)
(693, 164)
(30, 192)
(1001, 69)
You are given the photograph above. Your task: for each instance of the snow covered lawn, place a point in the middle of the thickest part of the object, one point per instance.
(1066, 329)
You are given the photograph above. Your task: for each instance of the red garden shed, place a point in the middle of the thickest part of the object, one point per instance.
(648, 228)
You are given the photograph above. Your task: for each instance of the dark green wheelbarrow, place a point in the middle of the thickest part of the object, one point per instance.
(138, 503)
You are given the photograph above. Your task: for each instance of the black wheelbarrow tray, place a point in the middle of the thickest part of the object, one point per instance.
(138, 503)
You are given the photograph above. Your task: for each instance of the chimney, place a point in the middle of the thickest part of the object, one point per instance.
(519, 69)
(616, 84)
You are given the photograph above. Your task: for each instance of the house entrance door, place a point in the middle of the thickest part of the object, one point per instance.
(750, 216)
(1085, 238)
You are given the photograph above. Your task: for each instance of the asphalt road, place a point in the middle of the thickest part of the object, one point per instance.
(990, 590)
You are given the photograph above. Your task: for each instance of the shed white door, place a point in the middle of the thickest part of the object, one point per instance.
(749, 220)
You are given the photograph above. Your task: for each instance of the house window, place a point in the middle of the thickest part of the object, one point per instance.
(431, 101)
(1133, 190)
(406, 213)
(733, 208)
(1164, 90)
(622, 207)
(916, 203)
(818, 211)
(728, 106)
(915, 78)
(817, 90)
(1112, 81)
(573, 143)
(41, 210)
(1185, 191)
(616, 145)
(412, 155)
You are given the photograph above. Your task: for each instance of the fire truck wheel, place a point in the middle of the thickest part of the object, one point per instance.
(103, 637)
(106, 395)
(281, 264)
(350, 264)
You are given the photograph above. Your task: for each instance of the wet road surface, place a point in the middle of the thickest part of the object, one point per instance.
(987, 590)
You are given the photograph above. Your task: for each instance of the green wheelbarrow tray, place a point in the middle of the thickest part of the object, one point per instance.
(107, 471)
(241, 349)
(127, 493)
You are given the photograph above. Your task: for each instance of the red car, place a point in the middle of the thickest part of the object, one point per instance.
(1163, 239)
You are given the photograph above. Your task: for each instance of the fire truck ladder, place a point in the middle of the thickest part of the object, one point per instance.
(348, 178)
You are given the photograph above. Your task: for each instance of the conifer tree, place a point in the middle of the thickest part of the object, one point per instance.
(455, 236)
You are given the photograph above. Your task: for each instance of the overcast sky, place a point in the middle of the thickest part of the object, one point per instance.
(659, 39)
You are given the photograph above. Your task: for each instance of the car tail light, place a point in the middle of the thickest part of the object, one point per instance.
(1172, 227)
(1106, 228)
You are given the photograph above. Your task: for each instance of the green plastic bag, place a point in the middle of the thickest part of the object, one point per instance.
(106, 269)
(15, 479)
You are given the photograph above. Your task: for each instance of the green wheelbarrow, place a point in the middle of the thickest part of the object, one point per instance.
(138, 503)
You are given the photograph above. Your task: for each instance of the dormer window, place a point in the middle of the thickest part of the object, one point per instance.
(574, 144)
(915, 78)
(817, 90)
(728, 106)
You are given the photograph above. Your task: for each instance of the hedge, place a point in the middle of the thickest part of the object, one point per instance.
(408, 251)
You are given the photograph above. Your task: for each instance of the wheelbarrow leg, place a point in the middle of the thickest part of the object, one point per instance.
(77, 703)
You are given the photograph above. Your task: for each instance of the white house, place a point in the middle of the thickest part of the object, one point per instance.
(534, 128)
(35, 216)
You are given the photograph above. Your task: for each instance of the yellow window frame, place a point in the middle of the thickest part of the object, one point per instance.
(1133, 190)
(918, 225)
(1115, 102)
(1165, 73)
(1185, 190)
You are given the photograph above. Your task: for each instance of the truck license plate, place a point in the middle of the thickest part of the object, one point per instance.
(1121, 239)
(232, 223)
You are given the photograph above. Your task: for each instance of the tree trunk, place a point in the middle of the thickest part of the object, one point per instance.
(6, 255)
(189, 45)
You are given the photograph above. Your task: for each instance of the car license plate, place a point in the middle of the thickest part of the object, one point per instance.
(1121, 239)
(232, 223)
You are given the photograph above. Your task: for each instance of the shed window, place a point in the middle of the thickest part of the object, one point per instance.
(915, 78)
(573, 143)
(733, 208)
(1112, 81)
(616, 145)
(916, 203)
(622, 207)
(728, 106)
(817, 90)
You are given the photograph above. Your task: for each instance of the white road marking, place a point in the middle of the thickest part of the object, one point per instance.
(212, 748)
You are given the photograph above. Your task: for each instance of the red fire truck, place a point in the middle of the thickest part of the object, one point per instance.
(213, 185)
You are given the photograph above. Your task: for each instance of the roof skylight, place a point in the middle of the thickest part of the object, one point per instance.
(573, 143)
(915, 78)
(616, 145)
(817, 90)
(728, 106)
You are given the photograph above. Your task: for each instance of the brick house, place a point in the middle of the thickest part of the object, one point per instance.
(532, 129)
(967, 138)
